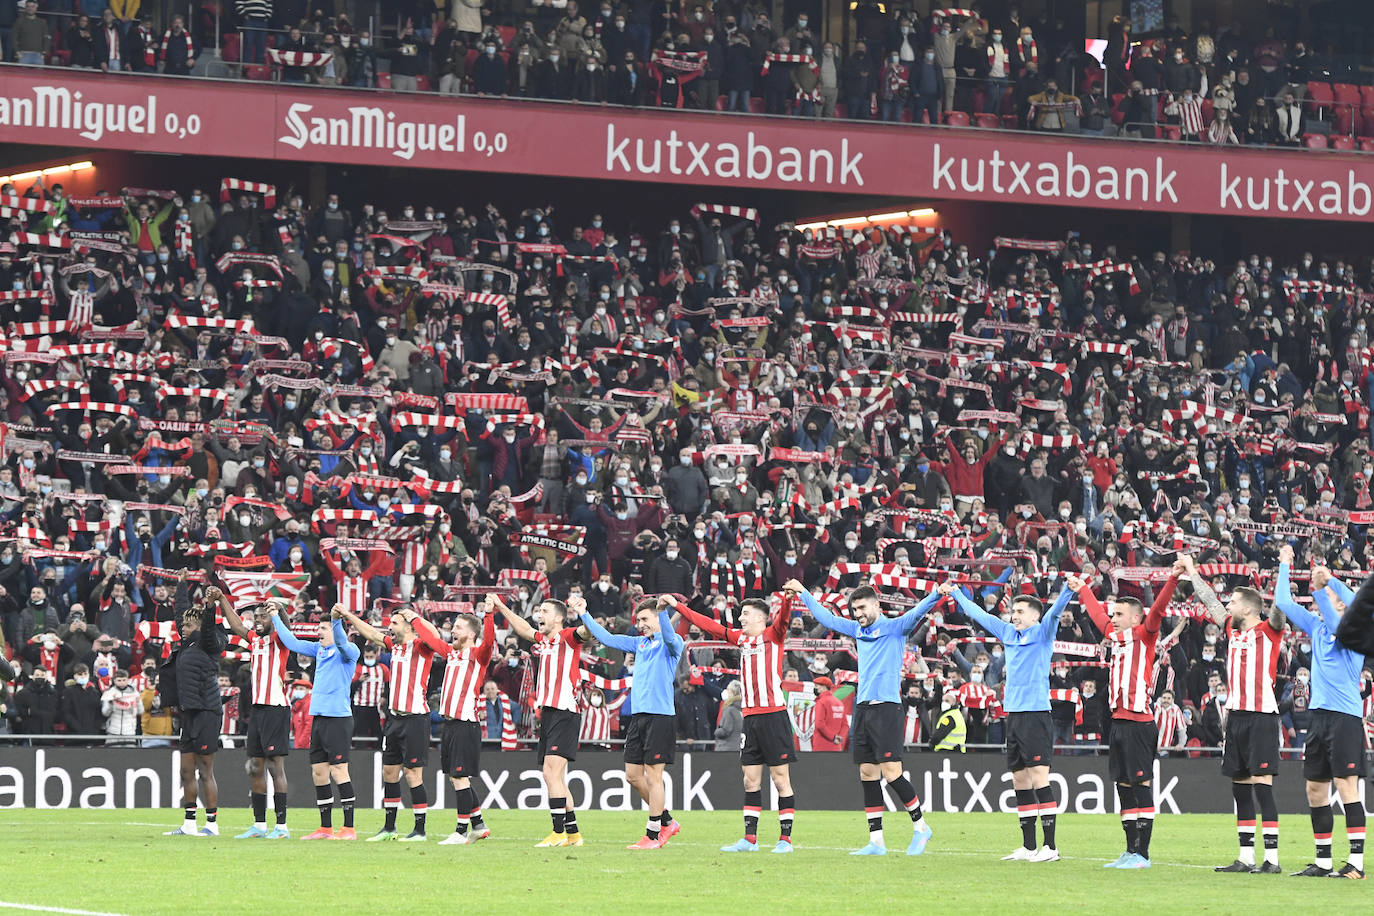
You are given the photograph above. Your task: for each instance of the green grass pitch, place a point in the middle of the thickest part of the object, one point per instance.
(118, 862)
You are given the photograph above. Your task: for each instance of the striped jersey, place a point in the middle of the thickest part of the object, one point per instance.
(464, 674)
(558, 669)
(267, 659)
(760, 658)
(1252, 660)
(1173, 728)
(410, 664)
(353, 594)
(1132, 666)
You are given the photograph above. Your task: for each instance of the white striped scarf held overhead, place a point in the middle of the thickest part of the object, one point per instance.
(748, 213)
(229, 185)
(1028, 244)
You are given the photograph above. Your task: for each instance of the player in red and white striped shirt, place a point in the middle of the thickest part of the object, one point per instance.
(461, 745)
(1132, 636)
(413, 642)
(269, 719)
(767, 728)
(1250, 754)
(559, 648)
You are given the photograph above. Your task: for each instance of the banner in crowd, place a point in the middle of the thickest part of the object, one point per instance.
(187, 117)
(709, 781)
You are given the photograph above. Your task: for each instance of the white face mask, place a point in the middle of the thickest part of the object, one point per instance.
(670, 554)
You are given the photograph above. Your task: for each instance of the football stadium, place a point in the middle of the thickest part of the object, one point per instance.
(685, 450)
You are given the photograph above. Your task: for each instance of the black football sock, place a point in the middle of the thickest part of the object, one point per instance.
(1323, 820)
(1025, 810)
(259, 808)
(786, 809)
(391, 800)
(279, 804)
(1045, 797)
(1269, 821)
(1126, 796)
(570, 818)
(1144, 819)
(556, 812)
(753, 804)
(873, 810)
(419, 803)
(211, 815)
(347, 799)
(464, 805)
(1244, 795)
(906, 792)
(324, 800)
(1354, 831)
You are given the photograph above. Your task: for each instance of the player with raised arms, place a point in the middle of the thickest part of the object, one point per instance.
(877, 733)
(559, 648)
(1334, 751)
(651, 737)
(1028, 641)
(331, 723)
(1132, 636)
(1250, 751)
(767, 739)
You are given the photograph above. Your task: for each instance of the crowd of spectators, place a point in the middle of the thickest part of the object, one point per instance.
(1228, 84)
(388, 401)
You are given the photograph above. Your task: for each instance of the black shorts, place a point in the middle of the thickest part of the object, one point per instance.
(559, 732)
(459, 748)
(1131, 753)
(1251, 745)
(1030, 739)
(405, 740)
(269, 731)
(767, 740)
(200, 731)
(876, 735)
(1335, 746)
(650, 738)
(330, 739)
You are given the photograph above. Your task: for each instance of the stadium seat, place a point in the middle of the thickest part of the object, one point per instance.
(229, 47)
(956, 119)
(383, 80)
(422, 83)
(472, 58)
(1010, 122)
(1118, 117)
(756, 105)
(983, 119)
(1347, 93)
(1314, 141)
(1367, 144)
(1342, 141)
(906, 116)
(1207, 113)
(261, 72)
(1342, 118)
(1319, 98)
(841, 111)
(1365, 125)
(1171, 132)
(507, 33)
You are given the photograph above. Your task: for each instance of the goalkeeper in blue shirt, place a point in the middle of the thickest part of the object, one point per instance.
(876, 736)
(1028, 640)
(1334, 751)
(651, 736)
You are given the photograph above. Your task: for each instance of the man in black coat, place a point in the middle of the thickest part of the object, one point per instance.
(36, 704)
(80, 706)
(671, 573)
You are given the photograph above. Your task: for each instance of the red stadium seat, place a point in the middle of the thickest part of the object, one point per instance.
(507, 33)
(1347, 93)
(1367, 144)
(1010, 121)
(1342, 141)
(756, 105)
(1171, 131)
(229, 47)
(262, 72)
(1118, 118)
(986, 120)
(1365, 125)
(1319, 97)
(956, 119)
(1207, 113)
(422, 83)
(472, 58)
(1342, 118)
(841, 111)
(383, 80)
(906, 116)
(1314, 141)
(721, 102)
(1367, 96)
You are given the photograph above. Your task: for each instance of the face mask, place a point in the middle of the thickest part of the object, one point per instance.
(298, 693)
(82, 680)
(851, 544)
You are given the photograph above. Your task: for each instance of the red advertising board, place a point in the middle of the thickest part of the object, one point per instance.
(82, 110)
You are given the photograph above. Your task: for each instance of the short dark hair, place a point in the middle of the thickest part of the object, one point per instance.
(559, 607)
(1134, 603)
(757, 604)
(120, 672)
(1034, 602)
(472, 623)
(862, 592)
(1251, 597)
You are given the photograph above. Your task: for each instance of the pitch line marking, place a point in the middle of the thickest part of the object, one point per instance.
(35, 908)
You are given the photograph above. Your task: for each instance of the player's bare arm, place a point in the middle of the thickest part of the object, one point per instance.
(213, 596)
(1215, 609)
(368, 631)
(517, 623)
